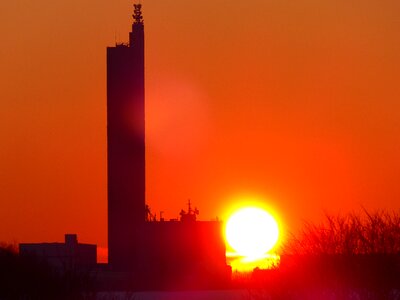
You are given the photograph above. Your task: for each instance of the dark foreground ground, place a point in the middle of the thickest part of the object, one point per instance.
(250, 294)
(335, 277)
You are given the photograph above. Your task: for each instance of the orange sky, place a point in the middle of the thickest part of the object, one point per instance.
(293, 102)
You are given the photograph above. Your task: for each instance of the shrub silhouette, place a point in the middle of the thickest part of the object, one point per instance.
(367, 233)
(345, 251)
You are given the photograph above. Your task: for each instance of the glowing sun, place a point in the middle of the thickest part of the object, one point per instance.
(251, 232)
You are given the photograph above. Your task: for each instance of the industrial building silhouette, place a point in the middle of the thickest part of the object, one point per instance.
(145, 252)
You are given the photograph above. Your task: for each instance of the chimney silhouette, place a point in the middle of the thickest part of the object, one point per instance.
(126, 145)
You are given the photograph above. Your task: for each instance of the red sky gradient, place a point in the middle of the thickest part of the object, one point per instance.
(293, 102)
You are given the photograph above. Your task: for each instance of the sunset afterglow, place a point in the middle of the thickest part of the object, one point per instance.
(176, 148)
(242, 264)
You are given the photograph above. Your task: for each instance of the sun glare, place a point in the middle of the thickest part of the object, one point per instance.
(251, 232)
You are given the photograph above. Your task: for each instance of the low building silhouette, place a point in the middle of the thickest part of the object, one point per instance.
(181, 254)
(66, 256)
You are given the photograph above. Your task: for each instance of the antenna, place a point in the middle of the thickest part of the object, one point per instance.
(137, 14)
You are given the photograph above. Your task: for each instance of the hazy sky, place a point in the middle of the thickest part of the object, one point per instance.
(293, 102)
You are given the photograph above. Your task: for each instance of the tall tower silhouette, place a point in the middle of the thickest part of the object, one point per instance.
(126, 145)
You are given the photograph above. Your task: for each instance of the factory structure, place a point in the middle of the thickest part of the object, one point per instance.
(143, 252)
(152, 253)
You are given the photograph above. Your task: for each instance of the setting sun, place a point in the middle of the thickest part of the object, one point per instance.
(251, 231)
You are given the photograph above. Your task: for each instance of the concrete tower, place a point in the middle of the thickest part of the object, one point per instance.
(126, 146)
